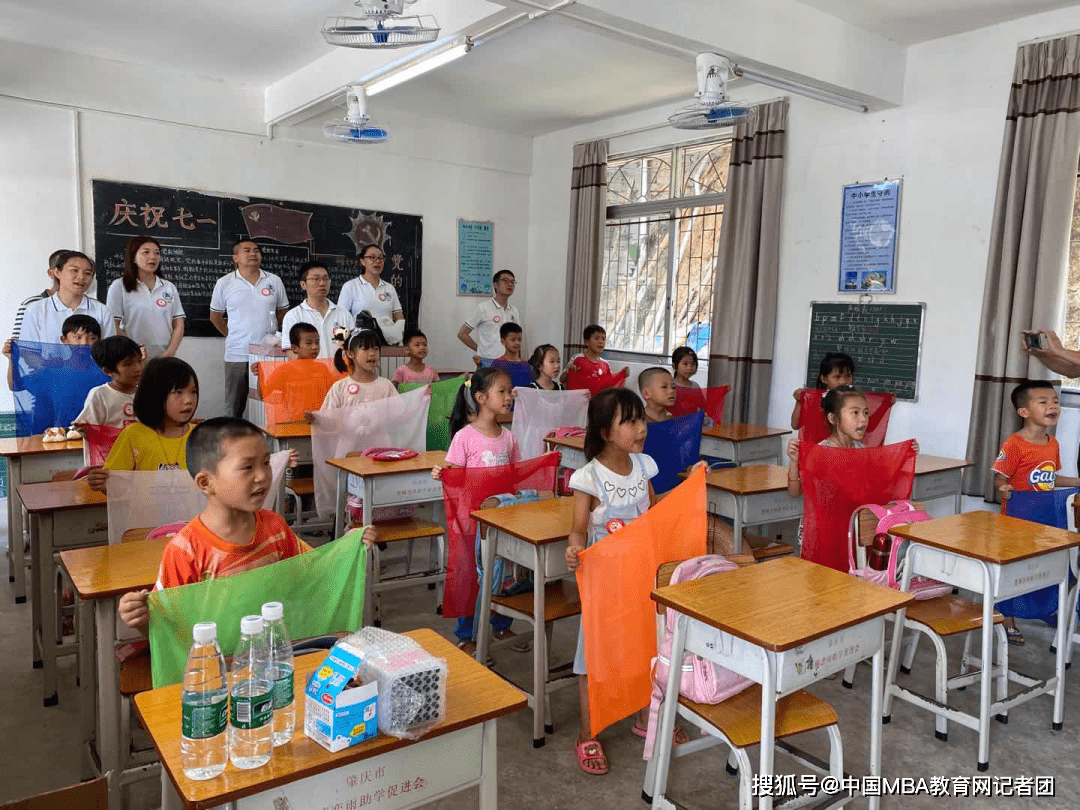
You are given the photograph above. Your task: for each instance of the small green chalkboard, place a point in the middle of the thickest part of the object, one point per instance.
(884, 340)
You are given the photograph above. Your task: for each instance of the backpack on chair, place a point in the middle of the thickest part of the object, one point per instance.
(701, 681)
(882, 567)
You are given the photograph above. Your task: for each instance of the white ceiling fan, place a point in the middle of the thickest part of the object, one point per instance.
(354, 127)
(380, 26)
(713, 108)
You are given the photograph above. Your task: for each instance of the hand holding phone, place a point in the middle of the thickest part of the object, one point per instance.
(1034, 340)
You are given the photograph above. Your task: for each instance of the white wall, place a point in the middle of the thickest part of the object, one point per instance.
(438, 170)
(945, 141)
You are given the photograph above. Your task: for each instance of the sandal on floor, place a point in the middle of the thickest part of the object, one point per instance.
(522, 646)
(678, 736)
(469, 648)
(1014, 636)
(588, 752)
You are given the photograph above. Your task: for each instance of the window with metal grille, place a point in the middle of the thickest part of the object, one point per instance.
(665, 208)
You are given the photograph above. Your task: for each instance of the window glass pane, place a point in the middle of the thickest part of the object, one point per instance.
(633, 290)
(1070, 337)
(703, 169)
(698, 236)
(639, 179)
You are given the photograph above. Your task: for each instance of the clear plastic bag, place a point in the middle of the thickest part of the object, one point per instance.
(412, 682)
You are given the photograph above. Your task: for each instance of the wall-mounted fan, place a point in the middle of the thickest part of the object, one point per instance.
(380, 26)
(354, 128)
(712, 108)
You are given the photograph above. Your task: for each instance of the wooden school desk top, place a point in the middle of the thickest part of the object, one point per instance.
(572, 442)
(102, 571)
(752, 480)
(365, 465)
(32, 446)
(53, 496)
(288, 430)
(538, 523)
(473, 694)
(781, 604)
(741, 432)
(989, 536)
(924, 465)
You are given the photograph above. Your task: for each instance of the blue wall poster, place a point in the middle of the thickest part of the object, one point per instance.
(868, 237)
(475, 257)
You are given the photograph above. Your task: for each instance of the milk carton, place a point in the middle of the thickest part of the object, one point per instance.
(338, 715)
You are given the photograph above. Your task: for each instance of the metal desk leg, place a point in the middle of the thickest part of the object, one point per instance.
(878, 667)
(87, 682)
(339, 502)
(16, 555)
(987, 668)
(35, 591)
(1060, 641)
(666, 727)
(46, 575)
(108, 695)
(489, 542)
(489, 777)
(540, 658)
(278, 447)
(768, 726)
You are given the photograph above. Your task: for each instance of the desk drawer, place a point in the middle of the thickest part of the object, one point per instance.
(413, 487)
(1031, 575)
(954, 569)
(935, 485)
(822, 657)
(770, 507)
(517, 550)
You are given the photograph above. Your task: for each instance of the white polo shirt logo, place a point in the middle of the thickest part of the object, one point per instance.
(384, 296)
(496, 318)
(161, 302)
(166, 295)
(268, 290)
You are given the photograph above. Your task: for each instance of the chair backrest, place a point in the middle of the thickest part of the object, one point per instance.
(93, 795)
(865, 529)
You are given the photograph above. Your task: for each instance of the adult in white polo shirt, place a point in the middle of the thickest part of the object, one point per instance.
(43, 319)
(317, 309)
(253, 302)
(369, 293)
(480, 332)
(146, 307)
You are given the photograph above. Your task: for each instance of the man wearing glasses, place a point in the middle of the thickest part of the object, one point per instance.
(368, 292)
(480, 332)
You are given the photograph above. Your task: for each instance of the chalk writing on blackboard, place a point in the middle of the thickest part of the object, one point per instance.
(884, 340)
(475, 257)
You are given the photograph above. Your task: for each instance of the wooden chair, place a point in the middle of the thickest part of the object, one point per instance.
(92, 795)
(405, 530)
(736, 722)
(721, 540)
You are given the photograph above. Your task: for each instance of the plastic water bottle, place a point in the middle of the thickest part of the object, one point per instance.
(281, 671)
(251, 715)
(204, 746)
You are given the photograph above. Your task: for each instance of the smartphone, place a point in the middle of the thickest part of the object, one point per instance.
(1034, 340)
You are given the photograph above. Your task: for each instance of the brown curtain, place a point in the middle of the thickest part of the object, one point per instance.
(585, 247)
(747, 266)
(1028, 240)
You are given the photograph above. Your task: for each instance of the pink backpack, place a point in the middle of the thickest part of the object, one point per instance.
(559, 433)
(701, 681)
(895, 514)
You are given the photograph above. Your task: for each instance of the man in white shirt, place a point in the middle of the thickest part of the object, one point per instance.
(480, 332)
(317, 309)
(369, 293)
(254, 302)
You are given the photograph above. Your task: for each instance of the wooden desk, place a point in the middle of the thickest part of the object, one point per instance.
(750, 496)
(386, 483)
(533, 535)
(741, 442)
(998, 557)
(101, 575)
(290, 436)
(457, 754)
(825, 622)
(571, 448)
(63, 514)
(30, 461)
(939, 477)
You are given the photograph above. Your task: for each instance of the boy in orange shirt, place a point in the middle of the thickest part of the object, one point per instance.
(1030, 459)
(300, 384)
(229, 461)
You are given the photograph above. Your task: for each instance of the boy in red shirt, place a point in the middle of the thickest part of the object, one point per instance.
(1030, 459)
(229, 461)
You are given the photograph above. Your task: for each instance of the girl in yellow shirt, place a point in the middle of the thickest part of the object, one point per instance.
(165, 403)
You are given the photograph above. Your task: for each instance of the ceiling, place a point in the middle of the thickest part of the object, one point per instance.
(247, 41)
(911, 21)
(542, 77)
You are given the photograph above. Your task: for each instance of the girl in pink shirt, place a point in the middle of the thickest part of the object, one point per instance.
(416, 370)
(478, 440)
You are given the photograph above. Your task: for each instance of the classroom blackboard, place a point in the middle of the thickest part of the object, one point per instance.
(884, 340)
(197, 230)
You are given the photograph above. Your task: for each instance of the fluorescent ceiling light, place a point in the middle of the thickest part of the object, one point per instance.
(801, 89)
(412, 69)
